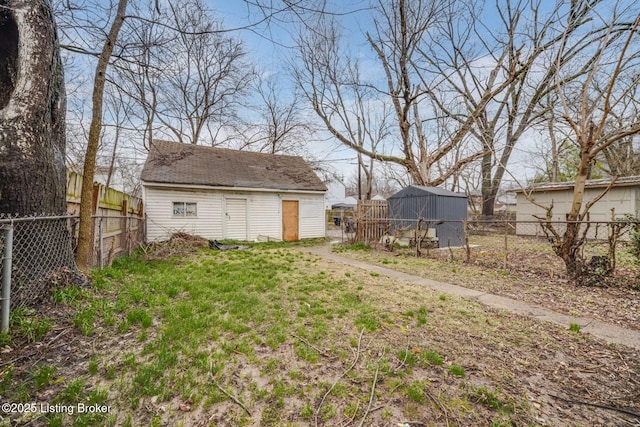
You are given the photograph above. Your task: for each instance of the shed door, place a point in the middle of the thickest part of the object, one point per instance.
(236, 217)
(289, 220)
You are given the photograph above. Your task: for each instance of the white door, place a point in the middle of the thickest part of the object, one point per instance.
(236, 218)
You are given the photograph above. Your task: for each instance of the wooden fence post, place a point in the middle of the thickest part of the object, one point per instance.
(94, 209)
(124, 239)
(506, 244)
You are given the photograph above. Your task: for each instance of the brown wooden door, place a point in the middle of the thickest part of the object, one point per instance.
(289, 220)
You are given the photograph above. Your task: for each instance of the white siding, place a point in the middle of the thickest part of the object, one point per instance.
(263, 214)
(623, 201)
(161, 223)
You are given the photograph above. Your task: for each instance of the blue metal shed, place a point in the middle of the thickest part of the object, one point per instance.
(442, 209)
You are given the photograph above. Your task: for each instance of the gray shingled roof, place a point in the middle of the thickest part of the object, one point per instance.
(625, 181)
(177, 163)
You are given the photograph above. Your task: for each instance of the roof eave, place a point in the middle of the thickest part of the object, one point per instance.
(229, 188)
(570, 186)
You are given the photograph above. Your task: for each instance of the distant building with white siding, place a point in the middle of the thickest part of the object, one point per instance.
(219, 194)
(623, 198)
(336, 192)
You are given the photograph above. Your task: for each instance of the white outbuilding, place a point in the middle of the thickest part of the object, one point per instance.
(622, 198)
(219, 193)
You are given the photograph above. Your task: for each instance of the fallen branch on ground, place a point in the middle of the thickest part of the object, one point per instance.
(310, 345)
(355, 360)
(598, 405)
(373, 390)
(441, 406)
(230, 396)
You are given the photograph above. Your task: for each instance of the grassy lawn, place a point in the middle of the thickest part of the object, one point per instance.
(531, 273)
(277, 337)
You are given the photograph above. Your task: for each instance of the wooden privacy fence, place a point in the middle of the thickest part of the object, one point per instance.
(106, 201)
(118, 220)
(371, 220)
(114, 236)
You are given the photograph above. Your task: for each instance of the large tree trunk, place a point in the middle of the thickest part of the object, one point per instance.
(571, 240)
(32, 110)
(488, 202)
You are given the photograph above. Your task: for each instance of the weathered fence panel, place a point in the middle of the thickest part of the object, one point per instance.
(371, 220)
(117, 220)
(115, 236)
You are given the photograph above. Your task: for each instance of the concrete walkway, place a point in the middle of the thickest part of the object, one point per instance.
(606, 331)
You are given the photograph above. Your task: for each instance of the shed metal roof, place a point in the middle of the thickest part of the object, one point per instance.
(177, 163)
(423, 190)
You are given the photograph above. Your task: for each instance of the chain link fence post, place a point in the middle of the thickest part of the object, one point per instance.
(6, 277)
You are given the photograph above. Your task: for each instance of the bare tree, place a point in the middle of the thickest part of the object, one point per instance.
(402, 44)
(206, 77)
(349, 109)
(32, 110)
(95, 129)
(138, 76)
(279, 125)
(588, 105)
(119, 109)
(560, 143)
(430, 154)
(187, 75)
(467, 52)
(622, 158)
(555, 159)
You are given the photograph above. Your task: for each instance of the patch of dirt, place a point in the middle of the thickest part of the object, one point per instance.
(539, 279)
(63, 347)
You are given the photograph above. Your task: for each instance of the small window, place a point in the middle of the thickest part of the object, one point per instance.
(185, 209)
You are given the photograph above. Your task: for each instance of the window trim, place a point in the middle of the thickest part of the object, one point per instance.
(185, 210)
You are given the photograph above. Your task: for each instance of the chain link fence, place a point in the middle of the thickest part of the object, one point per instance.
(605, 246)
(40, 255)
(502, 244)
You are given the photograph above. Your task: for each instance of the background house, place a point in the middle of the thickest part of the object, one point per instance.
(219, 193)
(442, 209)
(622, 199)
(336, 193)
